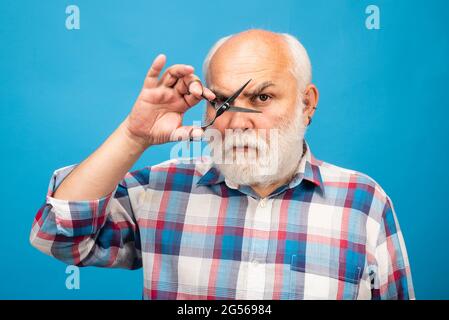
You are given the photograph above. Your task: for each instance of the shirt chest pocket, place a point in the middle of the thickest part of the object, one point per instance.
(322, 277)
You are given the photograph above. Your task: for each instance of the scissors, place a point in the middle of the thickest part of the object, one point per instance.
(227, 106)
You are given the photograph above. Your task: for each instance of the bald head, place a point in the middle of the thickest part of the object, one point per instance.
(262, 47)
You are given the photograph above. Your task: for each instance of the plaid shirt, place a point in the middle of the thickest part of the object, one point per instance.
(330, 233)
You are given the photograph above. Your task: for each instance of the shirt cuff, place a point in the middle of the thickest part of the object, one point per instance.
(76, 218)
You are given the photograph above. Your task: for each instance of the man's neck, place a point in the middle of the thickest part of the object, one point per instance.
(264, 191)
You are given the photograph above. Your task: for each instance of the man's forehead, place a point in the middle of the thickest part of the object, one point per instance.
(254, 63)
(224, 70)
(228, 81)
(255, 87)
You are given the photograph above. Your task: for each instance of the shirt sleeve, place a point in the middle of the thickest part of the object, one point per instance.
(101, 232)
(392, 279)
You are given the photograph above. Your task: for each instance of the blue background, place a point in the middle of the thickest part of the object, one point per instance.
(383, 110)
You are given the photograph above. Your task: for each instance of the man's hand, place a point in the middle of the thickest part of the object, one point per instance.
(157, 114)
(155, 118)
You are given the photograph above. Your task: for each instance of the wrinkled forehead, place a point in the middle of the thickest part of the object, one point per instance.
(234, 63)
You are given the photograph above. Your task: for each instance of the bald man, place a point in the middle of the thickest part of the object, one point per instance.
(276, 224)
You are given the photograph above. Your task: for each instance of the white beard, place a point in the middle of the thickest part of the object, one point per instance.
(264, 163)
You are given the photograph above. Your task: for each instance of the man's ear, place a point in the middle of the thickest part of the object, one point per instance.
(310, 100)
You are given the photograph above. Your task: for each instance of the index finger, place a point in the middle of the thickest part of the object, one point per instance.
(175, 72)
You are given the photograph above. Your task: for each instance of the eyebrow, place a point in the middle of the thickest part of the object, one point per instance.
(256, 91)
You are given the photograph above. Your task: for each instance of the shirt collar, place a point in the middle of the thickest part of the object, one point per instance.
(308, 169)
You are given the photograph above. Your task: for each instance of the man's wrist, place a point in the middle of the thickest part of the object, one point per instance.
(139, 144)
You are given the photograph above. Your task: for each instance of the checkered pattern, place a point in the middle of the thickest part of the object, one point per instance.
(331, 233)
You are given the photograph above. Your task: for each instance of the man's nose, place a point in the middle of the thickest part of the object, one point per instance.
(240, 120)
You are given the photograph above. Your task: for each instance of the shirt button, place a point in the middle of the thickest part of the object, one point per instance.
(255, 263)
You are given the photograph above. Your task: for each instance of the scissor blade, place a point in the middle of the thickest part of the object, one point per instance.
(240, 109)
(237, 93)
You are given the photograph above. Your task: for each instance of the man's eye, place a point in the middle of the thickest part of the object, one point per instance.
(263, 97)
